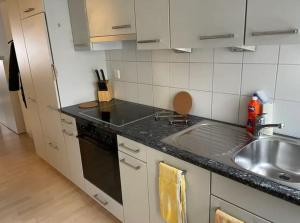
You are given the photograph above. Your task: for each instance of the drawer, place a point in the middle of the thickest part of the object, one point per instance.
(68, 124)
(104, 200)
(234, 211)
(132, 148)
(262, 204)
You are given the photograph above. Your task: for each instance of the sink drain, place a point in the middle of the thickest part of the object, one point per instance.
(284, 176)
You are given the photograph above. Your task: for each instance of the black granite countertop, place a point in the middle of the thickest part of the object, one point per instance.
(150, 133)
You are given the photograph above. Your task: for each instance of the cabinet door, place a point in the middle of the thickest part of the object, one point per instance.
(40, 59)
(17, 33)
(273, 22)
(74, 158)
(134, 189)
(110, 17)
(198, 188)
(153, 24)
(36, 129)
(30, 7)
(207, 23)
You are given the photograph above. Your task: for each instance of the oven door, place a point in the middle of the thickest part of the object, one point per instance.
(101, 166)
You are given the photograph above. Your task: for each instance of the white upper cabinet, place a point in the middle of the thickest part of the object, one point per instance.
(110, 17)
(30, 7)
(273, 22)
(207, 23)
(152, 24)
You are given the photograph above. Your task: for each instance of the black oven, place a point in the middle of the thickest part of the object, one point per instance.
(99, 154)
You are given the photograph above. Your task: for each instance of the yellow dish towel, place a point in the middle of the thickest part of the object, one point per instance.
(172, 194)
(222, 217)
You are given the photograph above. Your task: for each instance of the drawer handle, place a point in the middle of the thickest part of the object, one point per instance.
(65, 121)
(276, 32)
(103, 202)
(67, 133)
(149, 41)
(129, 164)
(128, 148)
(29, 10)
(223, 36)
(127, 26)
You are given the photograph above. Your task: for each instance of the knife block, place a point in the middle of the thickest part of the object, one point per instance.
(105, 96)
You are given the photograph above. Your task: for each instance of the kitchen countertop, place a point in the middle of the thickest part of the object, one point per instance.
(150, 133)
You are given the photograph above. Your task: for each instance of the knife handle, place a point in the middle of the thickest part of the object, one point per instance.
(103, 76)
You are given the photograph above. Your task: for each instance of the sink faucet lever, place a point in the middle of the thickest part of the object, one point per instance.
(260, 125)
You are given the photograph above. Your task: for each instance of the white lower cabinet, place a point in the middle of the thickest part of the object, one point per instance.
(104, 200)
(134, 183)
(73, 151)
(234, 211)
(198, 187)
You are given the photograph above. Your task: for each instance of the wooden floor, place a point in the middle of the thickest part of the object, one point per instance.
(31, 191)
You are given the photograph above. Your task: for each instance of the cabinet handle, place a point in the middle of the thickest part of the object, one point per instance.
(127, 26)
(53, 146)
(67, 133)
(33, 100)
(104, 203)
(130, 165)
(128, 148)
(29, 10)
(54, 70)
(52, 108)
(276, 32)
(223, 36)
(149, 41)
(65, 121)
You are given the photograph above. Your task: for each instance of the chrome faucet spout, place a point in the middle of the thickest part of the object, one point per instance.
(260, 125)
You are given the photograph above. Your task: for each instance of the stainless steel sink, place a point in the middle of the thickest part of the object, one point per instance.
(272, 158)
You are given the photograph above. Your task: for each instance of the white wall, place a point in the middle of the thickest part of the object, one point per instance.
(76, 79)
(219, 81)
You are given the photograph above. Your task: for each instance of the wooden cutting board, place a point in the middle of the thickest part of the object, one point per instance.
(182, 103)
(91, 104)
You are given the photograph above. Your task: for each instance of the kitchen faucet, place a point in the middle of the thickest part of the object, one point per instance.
(260, 125)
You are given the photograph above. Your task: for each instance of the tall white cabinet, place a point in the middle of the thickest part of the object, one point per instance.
(272, 22)
(207, 23)
(44, 80)
(30, 7)
(153, 24)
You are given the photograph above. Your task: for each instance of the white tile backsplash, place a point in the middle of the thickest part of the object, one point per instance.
(263, 54)
(288, 113)
(162, 97)
(145, 72)
(220, 81)
(288, 83)
(289, 54)
(223, 55)
(201, 76)
(227, 78)
(225, 107)
(179, 75)
(161, 74)
(146, 94)
(259, 77)
(129, 73)
(202, 56)
(201, 103)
